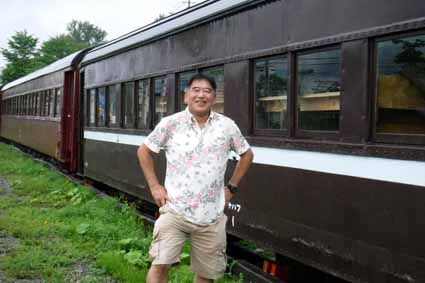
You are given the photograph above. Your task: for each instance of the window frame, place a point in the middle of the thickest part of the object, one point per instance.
(131, 124)
(316, 134)
(154, 121)
(150, 116)
(89, 94)
(272, 132)
(117, 92)
(391, 138)
(97, 108)
(180, 98)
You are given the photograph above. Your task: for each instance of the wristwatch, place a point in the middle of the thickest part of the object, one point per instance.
(232, 189)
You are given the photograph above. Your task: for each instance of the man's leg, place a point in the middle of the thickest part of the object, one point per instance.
(209, 251)
(199, 279)
(158, 274)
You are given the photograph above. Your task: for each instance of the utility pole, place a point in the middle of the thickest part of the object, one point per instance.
(189, 3)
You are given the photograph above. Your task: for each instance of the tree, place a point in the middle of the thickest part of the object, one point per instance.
(160, 17)
(20, 56)
(85, 32)
(58, 47)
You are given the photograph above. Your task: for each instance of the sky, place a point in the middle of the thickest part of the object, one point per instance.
(47, 18)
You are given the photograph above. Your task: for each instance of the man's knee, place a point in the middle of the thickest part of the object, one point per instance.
(158, 273)
(199, 279)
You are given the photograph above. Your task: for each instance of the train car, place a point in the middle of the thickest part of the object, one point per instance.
(330, 95)
(41, 111)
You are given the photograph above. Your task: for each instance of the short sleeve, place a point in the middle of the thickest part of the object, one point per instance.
(158, 138)
(238, 143)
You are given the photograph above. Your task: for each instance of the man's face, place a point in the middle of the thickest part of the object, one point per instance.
(200, 97)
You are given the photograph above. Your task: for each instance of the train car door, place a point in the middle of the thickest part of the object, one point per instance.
(69, 121)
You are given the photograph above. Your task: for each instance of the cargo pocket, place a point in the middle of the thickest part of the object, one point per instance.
(155, 245)
(221, 261)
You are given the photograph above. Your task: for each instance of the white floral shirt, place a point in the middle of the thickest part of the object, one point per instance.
(196, 162)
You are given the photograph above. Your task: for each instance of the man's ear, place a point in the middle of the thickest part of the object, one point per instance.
(185, 97)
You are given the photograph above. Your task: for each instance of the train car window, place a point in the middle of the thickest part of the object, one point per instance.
(218, 74)
(128, 103)
(182, 83)
(271, 93)
(92, 107)
(37, 104)
(48, 99)
(143, 101)
(400, 84)
(318, 90)
(34, 110)
(29, 105)
(51, 103)
(101, 122)
(43, 103)
(24, 105)
(58, 102)
(113, 93)
(27, 100)
(160, 93)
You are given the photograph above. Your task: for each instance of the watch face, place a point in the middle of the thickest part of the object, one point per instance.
(232, 189)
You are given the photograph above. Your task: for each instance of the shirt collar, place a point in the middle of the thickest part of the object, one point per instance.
(191, 119)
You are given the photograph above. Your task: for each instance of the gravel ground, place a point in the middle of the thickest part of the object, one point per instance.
(79, 273)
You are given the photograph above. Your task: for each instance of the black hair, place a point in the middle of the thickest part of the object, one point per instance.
(199, 76)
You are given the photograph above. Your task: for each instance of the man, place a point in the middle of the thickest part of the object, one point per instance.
(197, 143)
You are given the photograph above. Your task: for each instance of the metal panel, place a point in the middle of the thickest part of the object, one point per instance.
(43, 135)
(354, 100)
(237, 93)
(355, 228)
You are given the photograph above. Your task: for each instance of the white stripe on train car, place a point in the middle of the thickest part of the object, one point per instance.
(384, 169)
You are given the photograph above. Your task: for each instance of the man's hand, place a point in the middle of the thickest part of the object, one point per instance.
(159, 194)
(227, 196)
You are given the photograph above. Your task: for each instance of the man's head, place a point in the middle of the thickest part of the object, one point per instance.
(200, 95)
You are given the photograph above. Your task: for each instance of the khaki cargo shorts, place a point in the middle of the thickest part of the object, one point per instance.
(208, 243)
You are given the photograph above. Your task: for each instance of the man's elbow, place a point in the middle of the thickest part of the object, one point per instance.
(143, 152)
(248, 156)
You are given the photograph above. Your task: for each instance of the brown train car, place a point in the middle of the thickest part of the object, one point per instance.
(40, 110)
(338, 180)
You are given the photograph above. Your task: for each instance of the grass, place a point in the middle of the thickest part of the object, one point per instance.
(63, 229)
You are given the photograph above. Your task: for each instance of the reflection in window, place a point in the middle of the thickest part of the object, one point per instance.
(217, 73)
(160, 91)
(143, 101)
(128, 98)
(401, 85)
(271, 90)
(101, 107)
(319, 90)
(92, 105)
(182, 84)
(113, 92)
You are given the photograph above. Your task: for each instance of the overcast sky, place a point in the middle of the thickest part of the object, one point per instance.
(46, 18)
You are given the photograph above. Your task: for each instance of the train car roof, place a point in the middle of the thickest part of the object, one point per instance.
(180, 21)
(61, 64)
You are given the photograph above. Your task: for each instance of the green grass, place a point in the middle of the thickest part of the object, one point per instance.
(60, 225)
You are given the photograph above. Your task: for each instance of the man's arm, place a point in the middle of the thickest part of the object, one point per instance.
(241, 168)
(159, 193)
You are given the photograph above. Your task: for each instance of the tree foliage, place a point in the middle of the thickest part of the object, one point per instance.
(58, 47)
(23, 57)
(85, 32)
(20, 55)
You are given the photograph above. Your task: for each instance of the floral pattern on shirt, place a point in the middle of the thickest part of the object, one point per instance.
(196, 162)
